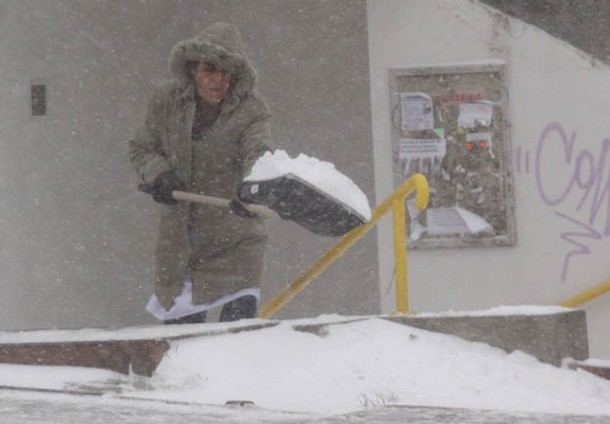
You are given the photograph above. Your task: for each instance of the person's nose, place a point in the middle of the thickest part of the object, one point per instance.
(219, 77)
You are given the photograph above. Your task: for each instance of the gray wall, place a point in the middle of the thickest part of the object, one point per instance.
(77, 239)
(583, 23)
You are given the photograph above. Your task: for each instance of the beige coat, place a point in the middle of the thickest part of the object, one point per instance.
(223, 253)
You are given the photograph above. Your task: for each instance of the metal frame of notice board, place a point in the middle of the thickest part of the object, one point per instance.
(450, 123)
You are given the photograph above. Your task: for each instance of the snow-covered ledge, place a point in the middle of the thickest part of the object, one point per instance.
(549, 333)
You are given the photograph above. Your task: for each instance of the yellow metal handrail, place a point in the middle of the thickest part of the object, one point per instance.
(396, 202)
(587, 295)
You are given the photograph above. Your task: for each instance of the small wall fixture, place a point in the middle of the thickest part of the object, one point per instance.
(39, 99)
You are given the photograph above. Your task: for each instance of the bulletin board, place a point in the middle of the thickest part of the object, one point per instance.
(450, 123)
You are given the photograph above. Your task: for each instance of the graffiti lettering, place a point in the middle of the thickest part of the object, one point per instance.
(573, 237)
(588, 179)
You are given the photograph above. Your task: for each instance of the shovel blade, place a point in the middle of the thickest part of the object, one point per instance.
(296, 200)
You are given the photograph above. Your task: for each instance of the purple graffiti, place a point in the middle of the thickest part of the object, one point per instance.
(584, 177)
(572, 237)
(525, 161)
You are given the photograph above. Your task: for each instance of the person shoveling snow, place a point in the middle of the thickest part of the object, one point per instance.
(203, 132)
(304, 189)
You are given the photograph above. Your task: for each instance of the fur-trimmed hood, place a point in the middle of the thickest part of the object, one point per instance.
(221, 45)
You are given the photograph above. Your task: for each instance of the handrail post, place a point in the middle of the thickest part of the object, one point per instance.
(400, 255)
(396, 201)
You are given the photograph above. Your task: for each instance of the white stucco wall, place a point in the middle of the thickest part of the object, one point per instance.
(553, 87)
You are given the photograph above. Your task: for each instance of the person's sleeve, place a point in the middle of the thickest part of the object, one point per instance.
(256, 140)
(145, 153)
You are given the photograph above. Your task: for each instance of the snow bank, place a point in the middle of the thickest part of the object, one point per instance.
(368, 362)
(356, 364)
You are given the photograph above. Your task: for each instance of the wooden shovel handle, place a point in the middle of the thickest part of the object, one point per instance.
(219, 201)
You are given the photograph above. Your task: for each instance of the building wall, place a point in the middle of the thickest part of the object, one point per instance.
(558, 119)
(77, 238)
(583, 25)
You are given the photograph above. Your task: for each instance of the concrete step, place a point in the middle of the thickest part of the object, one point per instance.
(550, 336)
(599, 367)
(137, 350)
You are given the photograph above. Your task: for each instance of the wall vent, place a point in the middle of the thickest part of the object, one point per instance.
(39, 99)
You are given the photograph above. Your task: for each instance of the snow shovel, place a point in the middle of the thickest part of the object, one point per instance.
(288, 197)
(294, 199)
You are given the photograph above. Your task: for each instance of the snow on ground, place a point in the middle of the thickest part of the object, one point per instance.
(363, 363)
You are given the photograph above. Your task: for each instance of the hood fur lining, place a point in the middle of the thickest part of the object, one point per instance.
(198, 50)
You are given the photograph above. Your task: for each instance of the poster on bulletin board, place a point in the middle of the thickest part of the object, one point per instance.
(450, 123)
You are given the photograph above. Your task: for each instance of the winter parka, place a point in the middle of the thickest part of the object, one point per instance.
(223, 253)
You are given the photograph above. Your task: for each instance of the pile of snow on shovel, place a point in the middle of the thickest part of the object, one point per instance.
(320, 174)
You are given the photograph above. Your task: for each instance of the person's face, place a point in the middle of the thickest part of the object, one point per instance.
(212, 82)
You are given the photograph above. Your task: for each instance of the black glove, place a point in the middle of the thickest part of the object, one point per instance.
(239, 209)
(163, 186)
